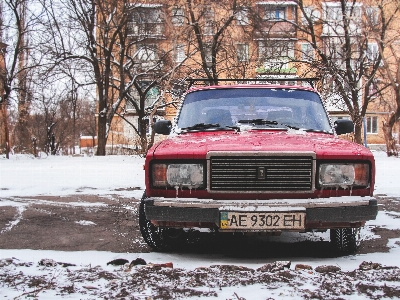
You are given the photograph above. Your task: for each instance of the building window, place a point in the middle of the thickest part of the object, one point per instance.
(178, 16)
(333, 17)
(373, 15)
(333, 13)
(147, 55)
(275, 49)
(307, 52)
(147, 21)
(373, 89)
(372, 51)
(242, 16)
(150, 15)
(180, 53)
(333, 85)
(312, 13)
(242, 52)
(208, 54)
(152, 96)
(274, 56)
(332, 47)
(372, 125)
(209, 22)
(274, 13)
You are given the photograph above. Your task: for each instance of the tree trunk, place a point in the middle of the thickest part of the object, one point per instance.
(358, 129)
(23, 138)
(391, 147)
(151, 141)
(4, 117)
(101, 135)
(143, 141)
(143, 136)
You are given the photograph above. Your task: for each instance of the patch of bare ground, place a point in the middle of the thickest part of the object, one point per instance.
(76, 223)
(386, 204)
(110, 223)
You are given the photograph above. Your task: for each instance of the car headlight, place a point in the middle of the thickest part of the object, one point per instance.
(344, 175)
(178, 175)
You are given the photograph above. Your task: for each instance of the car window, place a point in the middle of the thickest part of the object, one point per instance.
(230, 107)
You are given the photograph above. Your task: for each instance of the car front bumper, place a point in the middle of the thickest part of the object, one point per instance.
(323, 213)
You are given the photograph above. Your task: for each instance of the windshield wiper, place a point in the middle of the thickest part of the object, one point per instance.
(258, 122)
(205, 126)
(276, 123)
(305, 129)
(201, 126)
(236, 128)
(291, 127)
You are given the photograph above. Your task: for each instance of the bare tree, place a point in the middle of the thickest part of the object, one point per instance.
(4, 127)
(390, 74)
(44, 121)
(115, 42)
(101, 45)
(22, 136)
(75, 97)
(211, 31)
(339, 34)
(4, 131)
(95, 27)
(14, 32)
(146, 69)
(60, 115)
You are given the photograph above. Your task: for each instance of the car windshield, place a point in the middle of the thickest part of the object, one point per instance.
(261, 108)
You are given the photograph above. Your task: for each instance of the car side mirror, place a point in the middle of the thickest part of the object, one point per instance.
(162, 127)
(343, 126)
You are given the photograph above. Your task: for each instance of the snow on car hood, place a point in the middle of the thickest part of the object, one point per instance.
(196, 145)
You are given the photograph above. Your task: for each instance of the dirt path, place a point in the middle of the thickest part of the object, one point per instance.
(110, 223)
(71, 224)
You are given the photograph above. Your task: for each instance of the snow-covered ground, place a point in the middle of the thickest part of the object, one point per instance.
(66, 175)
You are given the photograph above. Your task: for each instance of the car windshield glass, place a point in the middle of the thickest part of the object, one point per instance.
(261, 108)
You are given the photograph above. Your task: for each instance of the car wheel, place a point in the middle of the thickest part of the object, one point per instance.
(158, 238)
(345, 240)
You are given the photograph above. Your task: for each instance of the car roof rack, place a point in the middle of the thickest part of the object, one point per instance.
(310, 80)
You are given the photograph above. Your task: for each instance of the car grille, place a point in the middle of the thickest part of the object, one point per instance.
(271, 173)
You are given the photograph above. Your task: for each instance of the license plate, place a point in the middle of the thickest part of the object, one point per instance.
(262, 220)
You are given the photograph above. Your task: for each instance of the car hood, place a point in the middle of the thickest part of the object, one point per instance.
(195, 145)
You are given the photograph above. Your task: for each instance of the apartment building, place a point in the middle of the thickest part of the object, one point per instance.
(254, 39)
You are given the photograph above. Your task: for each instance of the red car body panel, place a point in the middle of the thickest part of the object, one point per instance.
(195, 146)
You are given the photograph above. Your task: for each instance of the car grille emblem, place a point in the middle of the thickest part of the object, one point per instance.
(261, 173)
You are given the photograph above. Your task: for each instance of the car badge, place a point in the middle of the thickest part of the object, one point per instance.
(261, 173)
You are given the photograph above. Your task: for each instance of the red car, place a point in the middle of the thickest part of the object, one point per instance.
(256, 158)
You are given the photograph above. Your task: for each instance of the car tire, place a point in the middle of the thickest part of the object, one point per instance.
(158, 238)
(345, 240)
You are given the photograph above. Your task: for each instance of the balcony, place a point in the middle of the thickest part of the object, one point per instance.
(276, 66)
(279, 28)
(146, 30)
